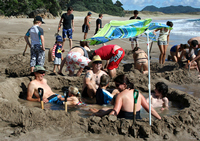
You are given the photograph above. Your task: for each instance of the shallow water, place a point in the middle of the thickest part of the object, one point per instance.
(83, 111)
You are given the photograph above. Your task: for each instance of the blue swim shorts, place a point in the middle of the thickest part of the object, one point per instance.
(67, 32)
(55, 100)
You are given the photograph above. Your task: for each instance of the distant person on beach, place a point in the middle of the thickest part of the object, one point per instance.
(124, 104)
(163, 41)
(113, 54)
(140, 60)
(57, 53)
(134, 39)
(159, 99)
(181, 53)
(86, 25)
(41, 82)
(68, 26)
(98, 23)
(92, 80)
(37, 43)
(194, 44)
(77, 55)
(102, 95)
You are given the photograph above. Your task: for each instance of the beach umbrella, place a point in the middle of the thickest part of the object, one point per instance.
(127, 29)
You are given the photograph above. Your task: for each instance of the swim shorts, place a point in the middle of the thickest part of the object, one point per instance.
(67, 32)
(37, 55)
(133, 39)
(76, 58)
(116, 59)
(162, 42)
(85, 28)
(57, 61)
(55, 100)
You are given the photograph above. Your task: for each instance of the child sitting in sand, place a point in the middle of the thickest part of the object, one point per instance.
(102, 95)
(57, 53)
(73, 96)
(159, 99)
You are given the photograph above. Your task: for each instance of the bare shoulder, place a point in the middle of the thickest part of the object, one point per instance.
(89, 74)
(165, 99)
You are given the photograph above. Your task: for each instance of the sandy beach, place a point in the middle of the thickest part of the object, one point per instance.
(23, 120)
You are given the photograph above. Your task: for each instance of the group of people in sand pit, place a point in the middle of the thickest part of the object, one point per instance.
(95, 92)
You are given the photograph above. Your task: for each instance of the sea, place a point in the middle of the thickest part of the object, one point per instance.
(183, 30)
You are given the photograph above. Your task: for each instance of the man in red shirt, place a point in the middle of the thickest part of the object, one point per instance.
(113, 54)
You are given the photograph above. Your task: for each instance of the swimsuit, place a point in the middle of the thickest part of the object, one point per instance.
(103, 96)
(128, 115)
(173, 49)
(76, 58)
(55, 100)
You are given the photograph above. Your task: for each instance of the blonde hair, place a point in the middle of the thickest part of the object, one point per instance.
(74, 90)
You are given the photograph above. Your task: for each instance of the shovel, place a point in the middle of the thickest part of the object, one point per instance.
(40, 91)
(135, 95)
(65, 95)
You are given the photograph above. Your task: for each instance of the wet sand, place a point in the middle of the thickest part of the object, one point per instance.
(21, 121)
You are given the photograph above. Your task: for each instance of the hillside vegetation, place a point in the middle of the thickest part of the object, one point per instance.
(55, 7)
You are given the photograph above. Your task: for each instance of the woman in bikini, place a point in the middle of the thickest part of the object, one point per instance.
(140, 60)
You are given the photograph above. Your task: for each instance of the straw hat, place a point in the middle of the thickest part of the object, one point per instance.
(97, 58)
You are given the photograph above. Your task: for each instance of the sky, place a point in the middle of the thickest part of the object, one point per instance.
(140, 4)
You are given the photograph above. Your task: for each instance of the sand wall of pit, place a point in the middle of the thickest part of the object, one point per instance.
(24, 119)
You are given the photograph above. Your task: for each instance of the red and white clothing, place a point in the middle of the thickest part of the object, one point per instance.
(108, 53)
(76, 58)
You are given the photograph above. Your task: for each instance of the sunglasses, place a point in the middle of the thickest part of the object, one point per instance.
(97, 62)
(41, 72)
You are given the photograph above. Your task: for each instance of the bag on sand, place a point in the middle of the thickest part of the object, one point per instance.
(50, 56)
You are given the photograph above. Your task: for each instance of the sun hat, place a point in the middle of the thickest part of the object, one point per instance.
(59, 38)
(95, 59)
(38, 18)
(39, 68)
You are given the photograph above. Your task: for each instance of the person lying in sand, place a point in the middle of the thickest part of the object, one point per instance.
(159, 99)
(77, 55)
(92, 80)
(41, 82)
(74, 96)
(140, 60)
(124, 104)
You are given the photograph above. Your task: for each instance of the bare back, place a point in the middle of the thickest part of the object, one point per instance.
(77, 49)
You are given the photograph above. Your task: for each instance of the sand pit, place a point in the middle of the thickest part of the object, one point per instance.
(32, 123)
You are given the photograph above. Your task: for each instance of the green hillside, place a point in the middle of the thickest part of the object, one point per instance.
(25, 7)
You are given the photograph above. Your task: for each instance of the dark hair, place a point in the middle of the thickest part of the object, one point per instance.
(100, 15)
(169, 23)
(184, 46)
(135, 12)
(135, 49)
(194, 43)
(104, 80)
(84, 43)
(69, 8)
(162, 88)
(122, 79)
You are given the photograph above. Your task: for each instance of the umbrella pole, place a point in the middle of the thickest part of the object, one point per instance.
(149, 86)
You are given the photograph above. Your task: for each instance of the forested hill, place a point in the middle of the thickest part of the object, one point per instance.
(172, 9)
(25, 7)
